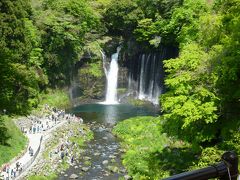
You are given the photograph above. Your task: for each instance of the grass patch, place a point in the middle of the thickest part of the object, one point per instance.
(80, 140)
(136, 102)
(50, 177)
(64, 165)
(15, 144)
(55, 98)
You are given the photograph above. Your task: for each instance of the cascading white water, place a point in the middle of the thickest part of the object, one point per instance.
(143, 76)
(112, 80)
(145, 80)
(104, 62)
(141, 86)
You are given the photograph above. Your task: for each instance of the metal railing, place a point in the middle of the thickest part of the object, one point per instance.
(225, 170)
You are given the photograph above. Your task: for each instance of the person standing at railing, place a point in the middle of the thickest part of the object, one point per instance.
(72, 159)
(8, 174)
(11, 172)
(62, 155)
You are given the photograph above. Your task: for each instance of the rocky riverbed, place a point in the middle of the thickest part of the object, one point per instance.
(101, 158)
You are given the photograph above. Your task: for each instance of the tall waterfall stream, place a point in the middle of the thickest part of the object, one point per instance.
(112, 80)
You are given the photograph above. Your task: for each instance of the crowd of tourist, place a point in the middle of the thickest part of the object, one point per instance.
(10, 173)
(51, 117)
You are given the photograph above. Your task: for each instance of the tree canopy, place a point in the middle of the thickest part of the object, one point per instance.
(40, 43)
(203, 82)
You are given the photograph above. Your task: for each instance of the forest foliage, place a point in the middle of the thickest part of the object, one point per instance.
(203, 81)
(14, 140)
(40, 43)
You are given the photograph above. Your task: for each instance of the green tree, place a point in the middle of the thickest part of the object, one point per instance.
(4, 136)
(203, 82)
(178, 24)
(190, 105)
(121, 17)
(64, 25)
(19, 84)
(91, 79)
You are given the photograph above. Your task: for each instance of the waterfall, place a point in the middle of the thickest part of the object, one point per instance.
(141, 85)
(112, 79)
(143, 76)
(104, 63)
(146, 76)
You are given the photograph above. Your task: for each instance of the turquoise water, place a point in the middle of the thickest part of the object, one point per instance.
(111, 114)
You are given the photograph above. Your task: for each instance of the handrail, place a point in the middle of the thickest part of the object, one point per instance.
(225, 170)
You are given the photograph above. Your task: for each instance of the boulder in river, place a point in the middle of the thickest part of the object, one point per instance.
(105, 162)
(96, 154)
(112, 156)
(87, 158)
(127, 177)
(73, 176)
(113, 160)
(85, 169)
(122, 170)
(101, 129)
(113, 169)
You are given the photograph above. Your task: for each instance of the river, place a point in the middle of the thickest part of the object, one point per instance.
(101, 158)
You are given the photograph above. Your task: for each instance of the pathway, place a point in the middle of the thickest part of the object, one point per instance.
(45, 137)
(35, 143)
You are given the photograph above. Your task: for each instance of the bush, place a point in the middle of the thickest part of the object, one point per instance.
(14, 143)
(142, 139)
(55, 98)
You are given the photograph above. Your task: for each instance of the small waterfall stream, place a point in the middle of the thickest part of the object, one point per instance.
(104, 63)
(146, 76)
